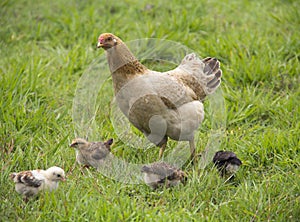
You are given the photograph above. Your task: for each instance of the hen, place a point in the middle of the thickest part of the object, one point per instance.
(162, 105)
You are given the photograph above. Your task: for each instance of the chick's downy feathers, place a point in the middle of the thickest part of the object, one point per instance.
(91, 153)
(161, 174)
(227, 162)
(162, 105)
(30, 183)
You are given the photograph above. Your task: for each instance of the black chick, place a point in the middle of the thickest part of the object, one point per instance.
(226, 162)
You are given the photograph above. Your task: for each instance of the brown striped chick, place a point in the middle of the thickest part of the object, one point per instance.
(30, 183)
(161, 174)
(91, 153)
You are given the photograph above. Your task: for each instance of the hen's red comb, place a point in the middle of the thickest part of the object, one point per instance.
(101, 39)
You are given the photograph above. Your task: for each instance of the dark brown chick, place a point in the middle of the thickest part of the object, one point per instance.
(161, 174)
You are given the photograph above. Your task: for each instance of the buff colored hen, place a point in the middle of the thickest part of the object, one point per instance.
(162, 105)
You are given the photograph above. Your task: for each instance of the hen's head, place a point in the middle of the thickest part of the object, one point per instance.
(108, 40)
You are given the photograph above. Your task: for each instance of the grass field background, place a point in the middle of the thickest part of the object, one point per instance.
(47, 47)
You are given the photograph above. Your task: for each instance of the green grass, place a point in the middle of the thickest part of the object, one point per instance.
(47, 47)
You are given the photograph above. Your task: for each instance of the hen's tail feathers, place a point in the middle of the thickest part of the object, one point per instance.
(213, 71)
(207, 72)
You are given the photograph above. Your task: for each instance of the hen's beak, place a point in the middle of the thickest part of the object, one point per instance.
(99, 45)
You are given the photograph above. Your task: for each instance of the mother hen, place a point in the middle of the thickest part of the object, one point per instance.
(161, 104)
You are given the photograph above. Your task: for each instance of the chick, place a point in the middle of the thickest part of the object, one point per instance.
(161, 174)
(226, 162)
(30, 183)
(91, 153)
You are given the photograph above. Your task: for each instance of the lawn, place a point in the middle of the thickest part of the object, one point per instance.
(48, 55)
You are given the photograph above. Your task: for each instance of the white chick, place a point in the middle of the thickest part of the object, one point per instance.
(30, 183)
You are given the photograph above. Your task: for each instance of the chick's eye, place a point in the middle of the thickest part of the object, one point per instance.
(58, 175)
(109, 39)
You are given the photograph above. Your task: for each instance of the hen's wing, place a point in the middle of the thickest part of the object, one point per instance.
(28, 178)
(147, 100)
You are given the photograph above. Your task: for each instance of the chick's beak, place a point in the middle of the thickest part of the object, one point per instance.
(63, 179)
(99, 45)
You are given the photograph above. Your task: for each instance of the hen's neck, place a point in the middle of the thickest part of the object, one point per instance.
(123, 65)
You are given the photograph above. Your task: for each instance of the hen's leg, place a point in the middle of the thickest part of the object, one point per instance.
(162, 149)
(193, 150)
(162, 145)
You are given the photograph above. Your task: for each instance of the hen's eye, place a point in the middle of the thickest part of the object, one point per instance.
(109, 39)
